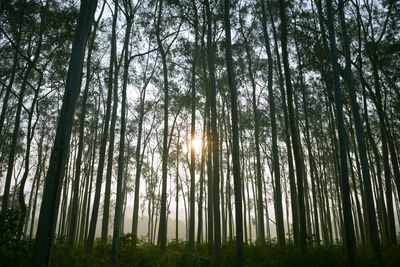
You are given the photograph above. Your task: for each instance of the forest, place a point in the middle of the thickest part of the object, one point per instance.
(200, 133)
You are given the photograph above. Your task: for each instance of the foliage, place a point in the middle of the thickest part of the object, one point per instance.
(178, 254)
(9, 227)
(12, 252)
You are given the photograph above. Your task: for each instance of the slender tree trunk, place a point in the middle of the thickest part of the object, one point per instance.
(215, 142)
(92, 170)
(313, 172)
(235, 137)
(192, 134)
(373, 227)
(113, 86)
(74, 215)
(293, 129)
(40, 165)
(204, 148)
(347, 214)
(177, 199)
(102, 152)
(224, 210)
(280, 230)
(121, 156)
(33, 187)
(292, 182)
(201, 181)
(55, 173)
(138, 166)
(162, 232)
(357, 202)
(260, 205)
(210, 226)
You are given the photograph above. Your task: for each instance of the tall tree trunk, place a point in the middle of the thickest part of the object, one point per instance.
(74, 214)
(162, 232)
(224, 210)
(113, 86)
(204, 149)
(55, 173)
(102, 153)
(347, 214)
(292, 182)
(373, 227)
(215, 142)
(210, 226)
(201, 181)
(280, 230)
(260, 205)
(138, 153)
(293, 129)
(192, 134)
(235, 137)
(40, 165)
(92, 169)
(121, 156)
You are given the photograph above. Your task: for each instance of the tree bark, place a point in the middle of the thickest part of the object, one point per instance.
(75, 209)
(113, 86)
(373, 227)
(280, 230)
(162, 232)
(294, 130)
(214, 131)
(350, 241)
(193, 133)
(121, 156)
(55, 173)
(235, 137)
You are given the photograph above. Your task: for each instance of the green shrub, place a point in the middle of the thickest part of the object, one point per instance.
(9, 227)
(177, 254)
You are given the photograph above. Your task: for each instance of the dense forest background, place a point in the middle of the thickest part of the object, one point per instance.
(202, 127)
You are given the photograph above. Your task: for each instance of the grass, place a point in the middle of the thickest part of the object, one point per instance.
(177, 254)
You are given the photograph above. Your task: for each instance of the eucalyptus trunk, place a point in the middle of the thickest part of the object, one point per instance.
(350, 241)
(162, 232)
(293, 130)
(235, 137)
(112, 86)
(55, 173)
(121, 155)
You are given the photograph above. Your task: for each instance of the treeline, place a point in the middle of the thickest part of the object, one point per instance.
(266, 121)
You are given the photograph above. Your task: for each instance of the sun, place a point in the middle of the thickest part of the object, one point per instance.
(196, 143)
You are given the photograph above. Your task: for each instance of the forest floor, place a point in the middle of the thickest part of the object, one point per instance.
(177, 254)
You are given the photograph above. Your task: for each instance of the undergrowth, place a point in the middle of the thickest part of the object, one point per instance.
(177, 254)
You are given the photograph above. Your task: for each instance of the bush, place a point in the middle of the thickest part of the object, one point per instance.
(177, 254)
(9, 228)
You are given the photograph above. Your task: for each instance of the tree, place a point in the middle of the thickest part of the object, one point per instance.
(74, 212)
(162, 232)
(293, 128)
(373, 227)
(193, 131)
(113, 86)
(275, 158)
(55, 173)
(235, 135)
(129, 14)
(214, 131)
(260, 205)
(348, 220)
